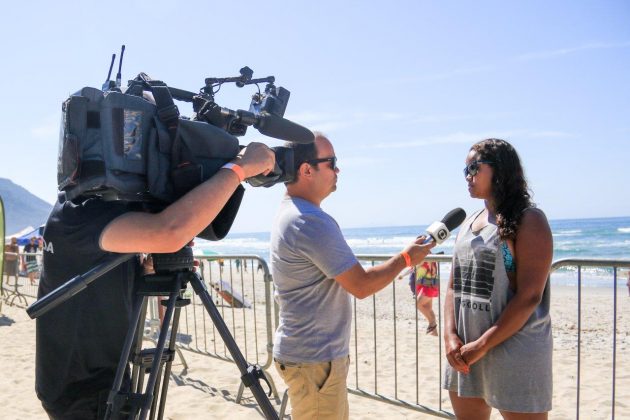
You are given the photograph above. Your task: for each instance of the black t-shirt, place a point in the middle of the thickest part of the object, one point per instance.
(79, 342)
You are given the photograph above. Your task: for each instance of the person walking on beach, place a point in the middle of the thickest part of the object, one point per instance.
(425, 286)
(79, 343)
(497, 328)
(315, 274)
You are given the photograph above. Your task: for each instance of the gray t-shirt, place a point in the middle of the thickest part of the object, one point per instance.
(308, 251)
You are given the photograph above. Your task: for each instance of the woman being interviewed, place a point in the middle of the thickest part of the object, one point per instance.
(497, 327)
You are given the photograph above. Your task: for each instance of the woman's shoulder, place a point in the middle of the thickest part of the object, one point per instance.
(533, 214)
(533, 218)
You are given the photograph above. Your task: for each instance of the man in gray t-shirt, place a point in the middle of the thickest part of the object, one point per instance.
(314, 273)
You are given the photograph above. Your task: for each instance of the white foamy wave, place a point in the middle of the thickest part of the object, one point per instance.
(233, 243)
(617, 244)
(570, 246)
(570, 232)
(394, 241)
(623, 229)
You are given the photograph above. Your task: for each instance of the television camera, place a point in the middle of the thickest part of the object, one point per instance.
(134, 145)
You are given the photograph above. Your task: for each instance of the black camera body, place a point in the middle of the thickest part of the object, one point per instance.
(134, 145)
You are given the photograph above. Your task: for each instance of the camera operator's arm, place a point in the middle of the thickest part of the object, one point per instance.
(362, 283)
(173, 227)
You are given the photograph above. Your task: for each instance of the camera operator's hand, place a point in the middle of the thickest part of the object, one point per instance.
(256, 159)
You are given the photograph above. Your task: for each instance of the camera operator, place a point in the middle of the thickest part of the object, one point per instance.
(79, 343)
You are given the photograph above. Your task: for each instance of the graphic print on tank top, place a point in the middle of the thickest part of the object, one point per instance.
(473, 279)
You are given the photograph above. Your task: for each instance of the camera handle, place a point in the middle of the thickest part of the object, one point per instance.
(74, 286)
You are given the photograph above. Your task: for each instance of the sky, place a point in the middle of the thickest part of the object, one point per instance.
(402, 89)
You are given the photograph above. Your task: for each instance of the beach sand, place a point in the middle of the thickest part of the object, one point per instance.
(209, 387)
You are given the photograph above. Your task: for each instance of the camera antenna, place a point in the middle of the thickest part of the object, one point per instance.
(111, 66)
(118, 75)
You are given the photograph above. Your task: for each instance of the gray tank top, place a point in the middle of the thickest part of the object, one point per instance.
(516, 375)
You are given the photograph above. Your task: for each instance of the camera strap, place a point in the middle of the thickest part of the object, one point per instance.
(167, 111)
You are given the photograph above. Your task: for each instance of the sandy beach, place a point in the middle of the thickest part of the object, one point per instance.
(208, 388)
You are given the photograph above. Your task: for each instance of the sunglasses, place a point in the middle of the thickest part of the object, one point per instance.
(332, 160)
(473, 167)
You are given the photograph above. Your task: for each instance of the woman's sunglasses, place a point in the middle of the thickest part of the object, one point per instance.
(473, 167)
(332, 160)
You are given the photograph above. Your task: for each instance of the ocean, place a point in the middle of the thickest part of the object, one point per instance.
(574, 238)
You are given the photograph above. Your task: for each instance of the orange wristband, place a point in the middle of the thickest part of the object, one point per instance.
(237, 170)
(407, 258)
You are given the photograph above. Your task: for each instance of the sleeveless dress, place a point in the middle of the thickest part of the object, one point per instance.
(516, 375)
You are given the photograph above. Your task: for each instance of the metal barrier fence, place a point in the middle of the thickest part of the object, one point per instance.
(614, 265)
(385, 351)
(240, 285)
(392, 360)
(16, 289)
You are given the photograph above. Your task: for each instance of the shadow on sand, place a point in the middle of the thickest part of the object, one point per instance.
(5, 321)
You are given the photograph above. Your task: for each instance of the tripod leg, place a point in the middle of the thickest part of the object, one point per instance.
(167, 368)
(159, 349)
(249, 375)
(114, 401)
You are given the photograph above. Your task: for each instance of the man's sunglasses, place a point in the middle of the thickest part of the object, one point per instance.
(332, 160)
(473, 167)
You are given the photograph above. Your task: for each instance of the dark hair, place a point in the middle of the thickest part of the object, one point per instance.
(509, 186)
(302, 153)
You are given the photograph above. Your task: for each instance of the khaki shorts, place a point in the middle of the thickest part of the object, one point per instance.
(317, 390)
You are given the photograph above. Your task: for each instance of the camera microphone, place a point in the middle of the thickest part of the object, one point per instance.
(440, 231)
(280, 128)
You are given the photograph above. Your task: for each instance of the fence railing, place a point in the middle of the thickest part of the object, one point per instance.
(393, 361)
(614, 265)
(16, 289)
(245, 304)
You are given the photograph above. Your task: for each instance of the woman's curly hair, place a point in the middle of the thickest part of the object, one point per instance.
(509, 186)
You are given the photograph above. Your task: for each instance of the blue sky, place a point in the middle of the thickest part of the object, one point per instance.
(402, 88)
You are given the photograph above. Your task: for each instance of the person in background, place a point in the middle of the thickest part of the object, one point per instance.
(11, 259)
(315, 273)
(497, 328)
(425, 286)
(30, 261)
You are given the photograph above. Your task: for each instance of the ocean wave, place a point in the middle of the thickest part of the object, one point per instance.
(387, 243)
(611, 244)
(623, 229)
(379, 242)
(233, 243)
(569, 232)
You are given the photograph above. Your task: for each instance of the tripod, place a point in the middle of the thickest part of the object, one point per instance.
(173, 272)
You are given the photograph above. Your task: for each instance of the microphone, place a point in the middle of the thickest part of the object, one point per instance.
(283, 129)
(440, 231)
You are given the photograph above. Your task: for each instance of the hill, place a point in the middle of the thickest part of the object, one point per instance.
(22, 208)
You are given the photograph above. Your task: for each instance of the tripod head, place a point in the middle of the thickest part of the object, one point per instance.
(174, 262)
